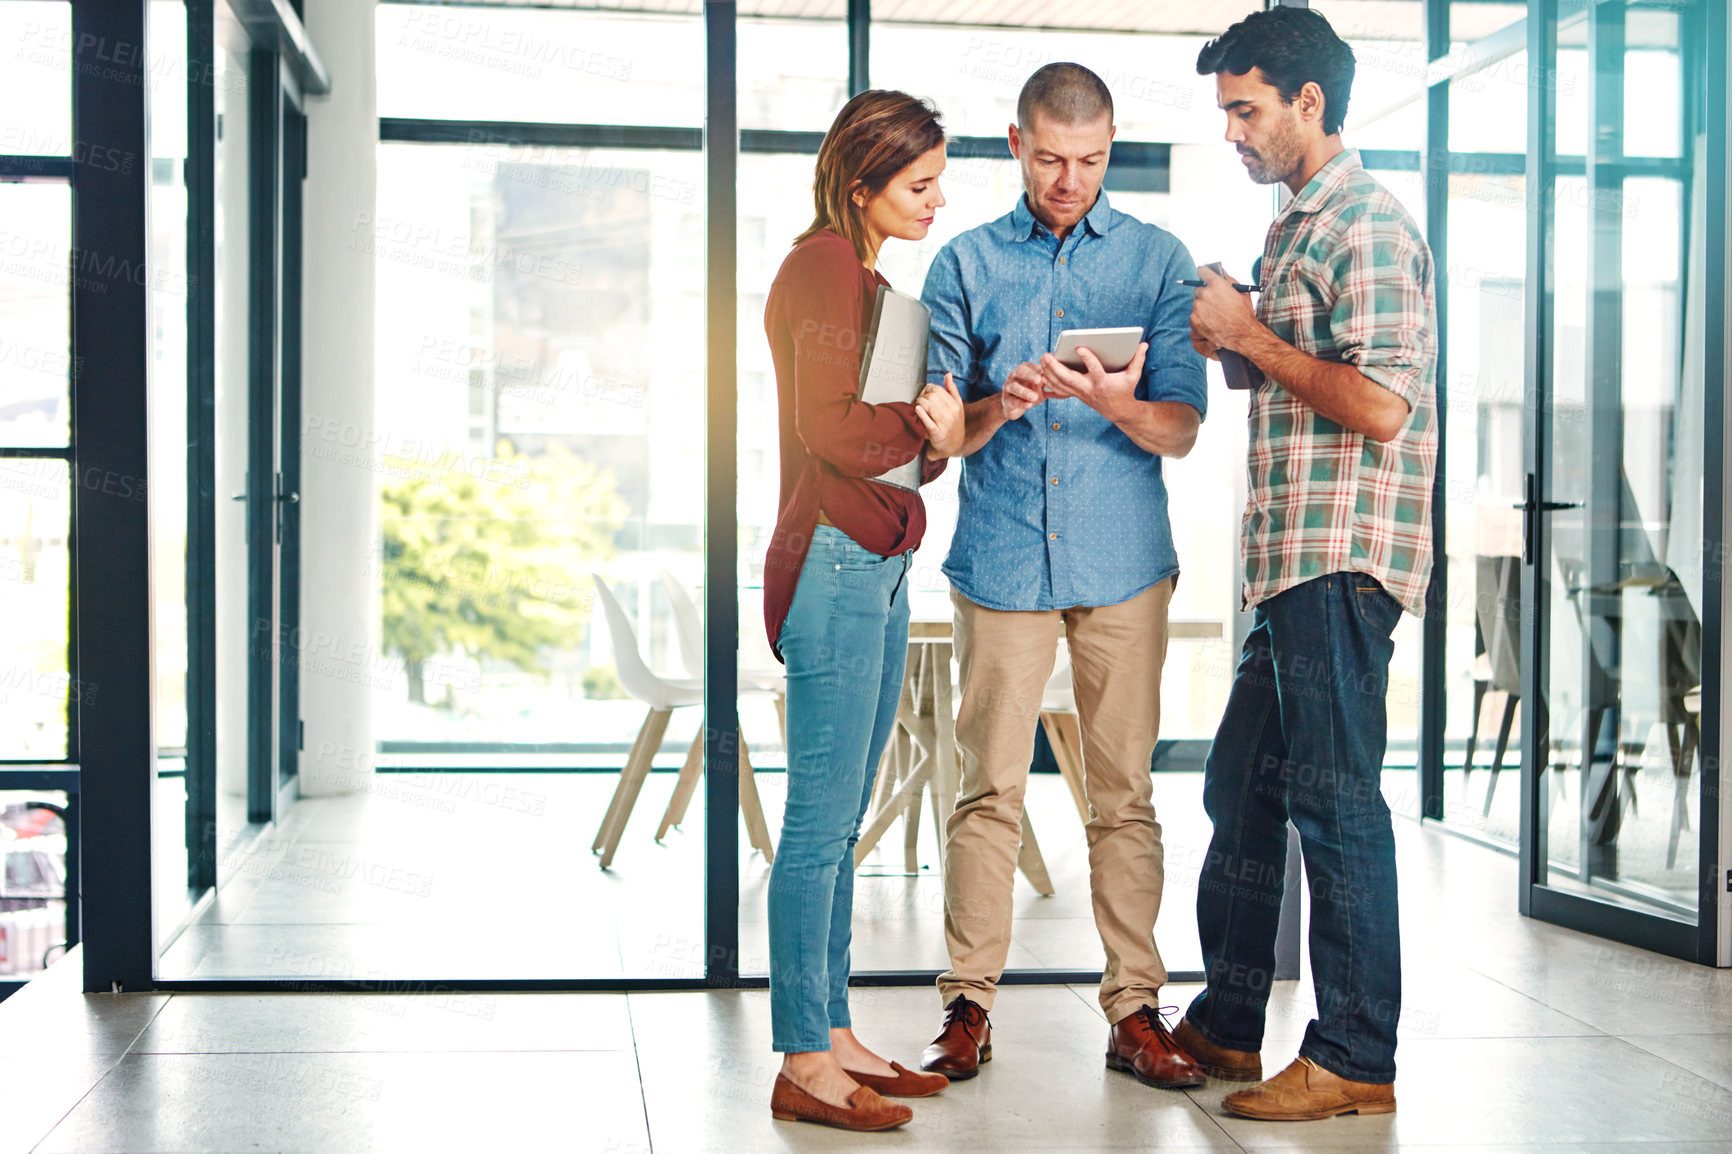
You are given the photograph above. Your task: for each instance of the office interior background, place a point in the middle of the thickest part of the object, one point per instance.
(356, 359)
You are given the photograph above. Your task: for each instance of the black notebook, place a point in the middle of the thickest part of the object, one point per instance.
(1238, 369)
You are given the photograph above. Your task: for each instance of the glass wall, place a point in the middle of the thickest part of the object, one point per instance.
(1387, 108)
(36, 371)
(539, 242)
(169, 438)
(232, 415)
(540, 454)
(533, 432)
(1627, 451)
(35, 520)
(39, 694)
(526, 293)
(1620, 413)
(510, 63)
(1487, 222)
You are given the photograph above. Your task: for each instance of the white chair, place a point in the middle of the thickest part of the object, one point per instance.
(689, 632)
(663, 696)
(689, 628)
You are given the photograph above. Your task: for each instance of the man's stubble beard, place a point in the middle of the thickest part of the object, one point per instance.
(1280, 158)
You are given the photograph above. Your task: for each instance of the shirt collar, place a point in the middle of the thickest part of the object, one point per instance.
(1328, 179)
(1022, 221)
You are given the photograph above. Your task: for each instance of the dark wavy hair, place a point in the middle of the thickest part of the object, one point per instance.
(1292, 47)
(876, 135)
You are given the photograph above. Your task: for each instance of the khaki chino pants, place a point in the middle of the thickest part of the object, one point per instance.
(1116, 655)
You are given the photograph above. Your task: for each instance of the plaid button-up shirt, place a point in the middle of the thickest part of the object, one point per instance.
(1347, 278)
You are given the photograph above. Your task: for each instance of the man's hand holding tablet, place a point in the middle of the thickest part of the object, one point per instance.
(1107, 380)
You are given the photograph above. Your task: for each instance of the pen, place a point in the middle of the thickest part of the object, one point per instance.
(1244, 288)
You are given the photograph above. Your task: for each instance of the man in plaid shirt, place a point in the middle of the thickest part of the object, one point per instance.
(1337, 539)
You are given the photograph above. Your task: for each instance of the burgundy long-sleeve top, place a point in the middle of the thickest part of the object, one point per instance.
(818, 314)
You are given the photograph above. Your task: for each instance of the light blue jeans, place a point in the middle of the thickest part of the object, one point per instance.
(845, 642)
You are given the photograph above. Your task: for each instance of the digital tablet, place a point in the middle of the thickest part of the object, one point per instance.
(1114, 348)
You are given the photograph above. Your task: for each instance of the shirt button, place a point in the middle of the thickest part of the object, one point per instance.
(1061, 312)
(1061, 260)
(1054, 481)
(1052, 536)
(1055, 426)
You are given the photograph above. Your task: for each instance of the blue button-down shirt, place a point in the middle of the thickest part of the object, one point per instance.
(1060, 508)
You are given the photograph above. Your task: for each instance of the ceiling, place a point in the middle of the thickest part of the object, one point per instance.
(1364, 19)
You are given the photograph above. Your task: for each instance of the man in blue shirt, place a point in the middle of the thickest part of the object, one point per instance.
(1062, 529)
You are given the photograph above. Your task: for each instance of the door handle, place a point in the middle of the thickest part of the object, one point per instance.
(1530, 523)
(283, 497)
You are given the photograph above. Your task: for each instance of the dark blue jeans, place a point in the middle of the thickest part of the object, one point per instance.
(846, 642)
(1302, 739)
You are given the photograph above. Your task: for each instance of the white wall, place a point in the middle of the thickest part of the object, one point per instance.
(339, 602)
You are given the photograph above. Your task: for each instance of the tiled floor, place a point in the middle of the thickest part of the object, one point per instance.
(454, 875)
(1516, 1036)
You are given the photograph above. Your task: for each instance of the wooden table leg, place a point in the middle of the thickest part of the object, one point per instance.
(1064, 734)
(911, 836)
(945, 773)
(1030, 861)
(907, 793)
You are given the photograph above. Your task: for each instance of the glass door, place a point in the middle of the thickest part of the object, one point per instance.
(1616, 806)
(292, 171)
(252, 140)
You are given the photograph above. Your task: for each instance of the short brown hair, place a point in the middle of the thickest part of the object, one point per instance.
(1069, 93)
(875, 136)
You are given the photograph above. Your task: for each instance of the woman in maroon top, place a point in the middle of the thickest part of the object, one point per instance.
(836, 589)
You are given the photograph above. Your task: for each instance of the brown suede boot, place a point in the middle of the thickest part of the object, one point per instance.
(1218, 1061)
(1305, 1092)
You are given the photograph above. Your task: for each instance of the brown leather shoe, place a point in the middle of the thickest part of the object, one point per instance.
(1305, 1091)
(1218, 1061)
(865, 1109)
(963, 1044)
(905, 1083)
(1142, 1046)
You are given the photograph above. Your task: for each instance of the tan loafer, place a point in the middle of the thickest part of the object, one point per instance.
(1218, 1061)
(1305, 1092)
(904, 1083)
(865, 1109)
